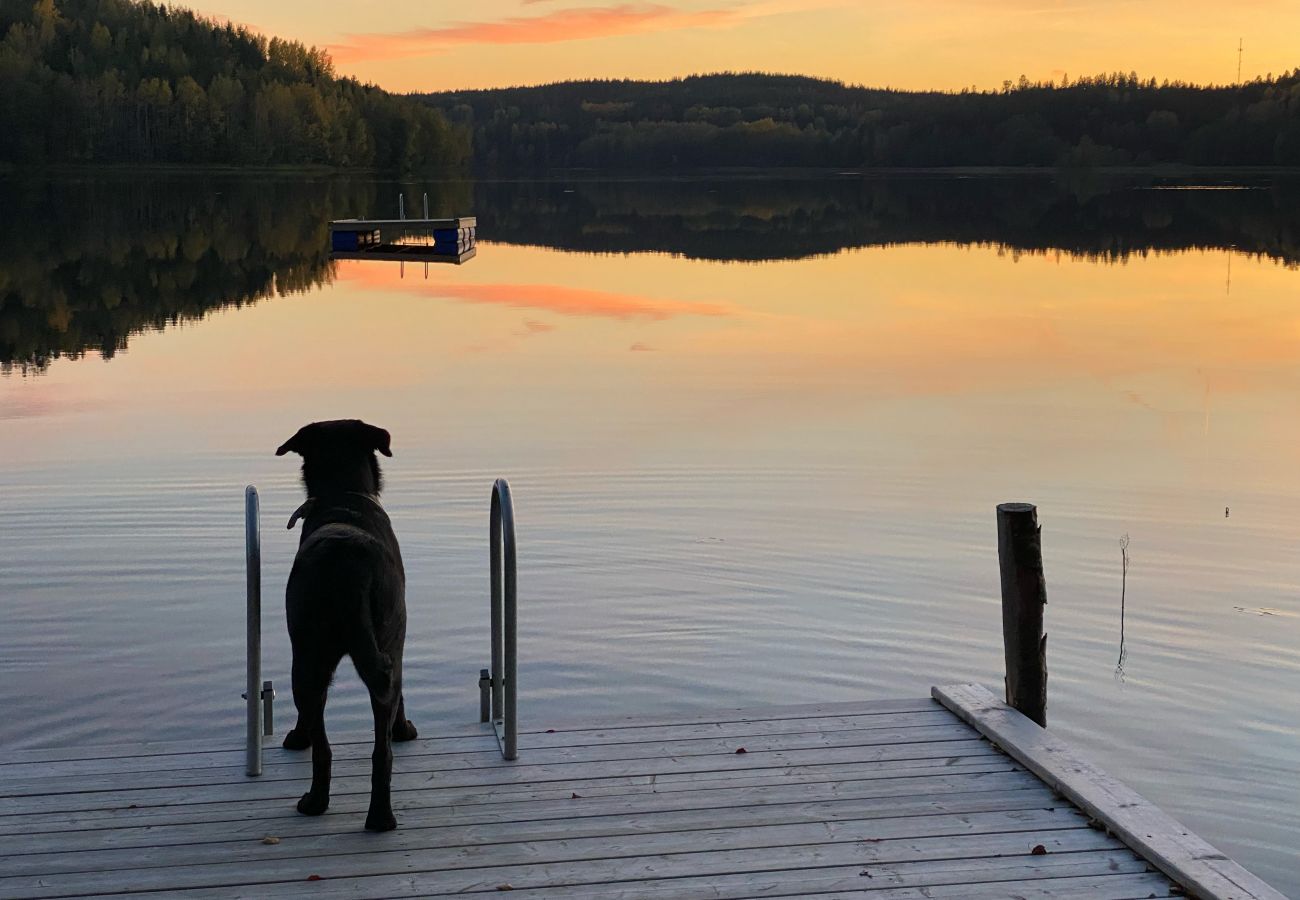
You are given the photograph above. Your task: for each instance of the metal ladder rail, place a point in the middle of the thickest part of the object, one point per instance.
(258, 694)
(498, 687)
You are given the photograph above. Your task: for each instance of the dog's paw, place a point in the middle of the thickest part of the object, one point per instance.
(313, 804)
(404, 730)
(381, 820)
(296, 739)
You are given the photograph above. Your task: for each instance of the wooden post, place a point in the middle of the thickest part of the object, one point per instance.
(1024, 594)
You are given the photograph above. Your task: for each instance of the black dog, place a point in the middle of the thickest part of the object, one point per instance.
(346, 597)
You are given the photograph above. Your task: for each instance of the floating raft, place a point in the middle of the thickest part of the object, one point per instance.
(955, 796)
(449, 240)
(354, 233)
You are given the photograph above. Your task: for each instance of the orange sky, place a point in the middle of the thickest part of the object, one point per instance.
(405, 45)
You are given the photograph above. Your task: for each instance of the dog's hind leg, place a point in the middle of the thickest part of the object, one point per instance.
(383, 690)
(310, 686)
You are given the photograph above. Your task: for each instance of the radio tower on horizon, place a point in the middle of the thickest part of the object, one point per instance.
(1239, 60)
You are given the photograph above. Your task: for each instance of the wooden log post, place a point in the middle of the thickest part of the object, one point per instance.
(1024, 594)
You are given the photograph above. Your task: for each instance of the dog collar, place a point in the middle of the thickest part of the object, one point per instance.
(309, 505)
(301, 512)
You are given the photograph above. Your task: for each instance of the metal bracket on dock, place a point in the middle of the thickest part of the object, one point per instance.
(484, 695)
(268, 707)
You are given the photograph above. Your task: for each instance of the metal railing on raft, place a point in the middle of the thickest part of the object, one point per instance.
(498, 687)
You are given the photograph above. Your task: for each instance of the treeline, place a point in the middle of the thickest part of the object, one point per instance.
(122, 81)
(774, 120)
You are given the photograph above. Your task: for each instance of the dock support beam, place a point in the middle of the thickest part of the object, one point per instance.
(1024, 594)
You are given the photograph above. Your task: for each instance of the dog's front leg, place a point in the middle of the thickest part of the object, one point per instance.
(403, 728)
(317, 800)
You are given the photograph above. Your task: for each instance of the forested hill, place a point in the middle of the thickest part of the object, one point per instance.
(114, 80)
(772, 120)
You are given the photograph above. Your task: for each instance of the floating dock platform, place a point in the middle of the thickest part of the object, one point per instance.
(951, 796)
(369, 235)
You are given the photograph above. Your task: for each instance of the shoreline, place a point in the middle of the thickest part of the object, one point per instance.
(739, 172)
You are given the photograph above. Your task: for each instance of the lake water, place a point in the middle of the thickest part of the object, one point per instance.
(756, 431)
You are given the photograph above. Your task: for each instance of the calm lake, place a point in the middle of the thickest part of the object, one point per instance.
(756, 430)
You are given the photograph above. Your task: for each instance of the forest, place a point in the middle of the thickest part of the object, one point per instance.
(91, 81)
(758, 120)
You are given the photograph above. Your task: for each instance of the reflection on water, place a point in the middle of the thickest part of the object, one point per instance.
(86, 263)
(774, 219)
(736, 484)
(1123, 605)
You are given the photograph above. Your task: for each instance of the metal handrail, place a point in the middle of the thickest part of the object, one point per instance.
(498, 687)
(253, 689)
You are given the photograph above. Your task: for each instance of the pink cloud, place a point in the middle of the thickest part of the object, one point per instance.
(552, 27)
(579, 301)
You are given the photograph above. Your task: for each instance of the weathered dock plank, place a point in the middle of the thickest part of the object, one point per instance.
(488, 758)
(891, 801)
(1168, 844)
(183, 756)
(935, 794)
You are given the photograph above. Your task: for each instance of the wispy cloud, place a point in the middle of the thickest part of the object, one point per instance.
(552, 27)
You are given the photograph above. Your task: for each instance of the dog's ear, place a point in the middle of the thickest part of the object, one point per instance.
(298, 443)
(377, 438)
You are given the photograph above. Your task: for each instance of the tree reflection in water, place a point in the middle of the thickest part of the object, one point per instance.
(86, 261)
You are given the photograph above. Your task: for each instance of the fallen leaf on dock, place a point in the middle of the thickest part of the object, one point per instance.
(313, 878)
(550, 731)
(270, 840)
(575, 796)
(1039, 850)
(505, 887)
(741, 750)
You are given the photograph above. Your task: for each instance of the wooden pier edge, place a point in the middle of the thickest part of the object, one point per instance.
(1203, 871)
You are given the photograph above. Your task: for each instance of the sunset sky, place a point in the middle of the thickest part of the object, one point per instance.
(410, 45)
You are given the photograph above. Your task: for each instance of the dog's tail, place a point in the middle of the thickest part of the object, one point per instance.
(363, 647)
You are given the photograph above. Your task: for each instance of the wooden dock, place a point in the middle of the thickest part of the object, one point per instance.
(955, 796)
